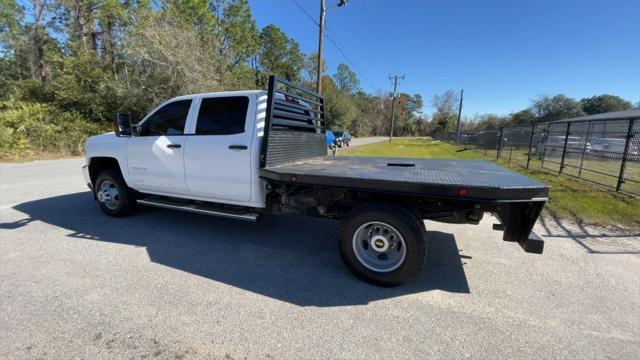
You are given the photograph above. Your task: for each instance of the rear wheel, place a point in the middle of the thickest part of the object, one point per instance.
(114, 196)
(383, 244)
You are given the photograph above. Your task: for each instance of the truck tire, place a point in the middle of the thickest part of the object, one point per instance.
(383, 244)
(114, 196)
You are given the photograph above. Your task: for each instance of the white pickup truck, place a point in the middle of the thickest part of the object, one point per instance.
(247, 153)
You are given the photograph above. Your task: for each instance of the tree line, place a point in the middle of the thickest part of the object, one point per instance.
(71, 65)
(542, 109)
(68, 66)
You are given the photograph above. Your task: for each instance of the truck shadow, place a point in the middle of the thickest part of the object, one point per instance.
(293, 259)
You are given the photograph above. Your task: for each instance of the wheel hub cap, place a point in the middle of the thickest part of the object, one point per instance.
(379, 243)
(109, 194)
(378, 246)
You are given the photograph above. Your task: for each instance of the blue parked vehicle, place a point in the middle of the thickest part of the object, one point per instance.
(331, 139)
(343, 138)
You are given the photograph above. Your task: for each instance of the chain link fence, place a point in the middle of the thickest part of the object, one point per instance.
(599, 149)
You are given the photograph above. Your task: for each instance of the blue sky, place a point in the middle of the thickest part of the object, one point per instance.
(503, 53)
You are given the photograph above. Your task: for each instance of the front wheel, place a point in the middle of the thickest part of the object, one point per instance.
(114, 196)
(383, 244)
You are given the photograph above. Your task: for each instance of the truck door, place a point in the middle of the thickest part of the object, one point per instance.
(155, 156)
(217, 155)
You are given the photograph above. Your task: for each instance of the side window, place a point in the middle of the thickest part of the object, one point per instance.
(168, 120)
(222, 115)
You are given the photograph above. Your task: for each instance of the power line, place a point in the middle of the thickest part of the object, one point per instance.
(306, 12)
(362, 75)
(335, 44)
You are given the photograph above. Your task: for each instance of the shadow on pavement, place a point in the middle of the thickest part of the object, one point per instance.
(293, 259)
(593, 240)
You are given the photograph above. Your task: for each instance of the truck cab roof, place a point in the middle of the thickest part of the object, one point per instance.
(218, 93)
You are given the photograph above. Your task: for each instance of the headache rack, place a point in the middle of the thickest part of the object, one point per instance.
(294, 124)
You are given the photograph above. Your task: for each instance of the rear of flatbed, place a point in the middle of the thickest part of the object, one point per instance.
(293, 159)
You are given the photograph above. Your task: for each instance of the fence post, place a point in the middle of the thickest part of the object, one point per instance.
(624, 155)
(499, 143)
(546, 142)
(584, 150)
(564, 148)
(510, 147)
(533, 130)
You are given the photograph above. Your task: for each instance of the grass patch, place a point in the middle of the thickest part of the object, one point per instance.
(569, 198)
(411, 147)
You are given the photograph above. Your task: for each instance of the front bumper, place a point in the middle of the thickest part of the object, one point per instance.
(87, 177)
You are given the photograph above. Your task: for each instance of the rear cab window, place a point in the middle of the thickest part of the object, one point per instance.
(222, 115)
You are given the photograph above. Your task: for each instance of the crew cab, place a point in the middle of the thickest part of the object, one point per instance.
(247, 153)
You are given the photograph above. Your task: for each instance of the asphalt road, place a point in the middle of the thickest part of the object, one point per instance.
(169, 285)
(367, 140)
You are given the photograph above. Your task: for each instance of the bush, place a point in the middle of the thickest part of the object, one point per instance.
(28, 129)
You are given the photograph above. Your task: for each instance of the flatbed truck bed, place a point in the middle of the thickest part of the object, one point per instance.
(440, 178)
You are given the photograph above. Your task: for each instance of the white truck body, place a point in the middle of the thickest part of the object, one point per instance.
(203, 167)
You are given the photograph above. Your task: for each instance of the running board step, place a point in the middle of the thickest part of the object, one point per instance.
(203, 208)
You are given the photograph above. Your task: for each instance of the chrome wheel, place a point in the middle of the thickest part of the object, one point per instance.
(109, 195)
(379, 246)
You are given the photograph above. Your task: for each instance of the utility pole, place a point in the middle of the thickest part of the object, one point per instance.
(323, 10)
(393, 101)
(459, 114)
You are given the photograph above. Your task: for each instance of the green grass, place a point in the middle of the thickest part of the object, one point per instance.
(569, 198)
(410, 147)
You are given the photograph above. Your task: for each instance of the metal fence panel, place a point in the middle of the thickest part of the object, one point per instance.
(602, 151)
(603, 155)
(631, 174)
(553, 146)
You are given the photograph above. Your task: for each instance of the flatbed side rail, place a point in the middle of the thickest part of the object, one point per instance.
(294, 125)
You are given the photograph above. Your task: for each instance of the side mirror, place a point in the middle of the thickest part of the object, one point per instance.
(122, 125)
(135, 129)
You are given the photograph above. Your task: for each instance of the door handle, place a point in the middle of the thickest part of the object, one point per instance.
(238, 147)
(174, 146)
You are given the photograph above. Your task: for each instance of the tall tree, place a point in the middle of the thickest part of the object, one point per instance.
(13, 62)
(346, 79)
(37, 37)
(445, 110)
(522, 117)
(112, 16)
(196, 13)
(310, 69)
(604, 103)
(279, 55)
(238, 33)
(558, 107)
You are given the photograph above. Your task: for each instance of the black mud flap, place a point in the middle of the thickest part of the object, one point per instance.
(518, 219)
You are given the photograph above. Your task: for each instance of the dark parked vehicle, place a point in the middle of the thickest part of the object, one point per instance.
(343, 138)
